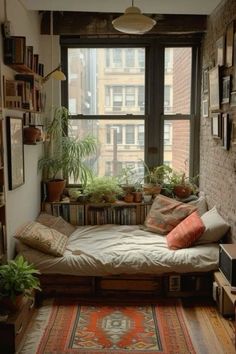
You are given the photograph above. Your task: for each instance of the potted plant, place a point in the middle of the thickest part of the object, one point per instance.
(103, 189)
(18, 278)
(64, 155)
(127, 179)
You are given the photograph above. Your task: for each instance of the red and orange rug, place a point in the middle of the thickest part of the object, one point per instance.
(115, 330)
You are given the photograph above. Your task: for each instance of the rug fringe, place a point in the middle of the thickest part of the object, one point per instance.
(36, 328)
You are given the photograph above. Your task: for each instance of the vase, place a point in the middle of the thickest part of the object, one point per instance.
(55, 190)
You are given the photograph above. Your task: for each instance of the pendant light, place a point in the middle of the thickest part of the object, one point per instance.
(133, 21)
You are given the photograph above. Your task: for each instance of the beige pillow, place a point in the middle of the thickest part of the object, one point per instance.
(57, 223)
(42, 238)
(200, 204)
(166, 213)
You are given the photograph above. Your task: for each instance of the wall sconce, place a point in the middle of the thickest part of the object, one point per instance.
(56, 74)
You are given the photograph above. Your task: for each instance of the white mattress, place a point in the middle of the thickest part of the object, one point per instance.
(119, 249)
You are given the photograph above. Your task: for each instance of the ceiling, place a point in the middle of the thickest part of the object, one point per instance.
(197, 7)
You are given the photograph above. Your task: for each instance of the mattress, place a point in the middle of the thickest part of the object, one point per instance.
(103, 250)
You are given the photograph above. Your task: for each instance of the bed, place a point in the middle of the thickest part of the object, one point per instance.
(174, 253)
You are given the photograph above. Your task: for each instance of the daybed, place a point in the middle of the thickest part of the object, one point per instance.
(106, 261)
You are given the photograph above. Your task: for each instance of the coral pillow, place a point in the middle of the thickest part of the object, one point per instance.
(166, 213)
(186, 233)
(42, 238)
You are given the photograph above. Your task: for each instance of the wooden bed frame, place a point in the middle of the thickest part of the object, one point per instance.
(142, 288)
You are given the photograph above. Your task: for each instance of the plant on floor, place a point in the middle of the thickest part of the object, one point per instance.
(18, 277)
(64, 154)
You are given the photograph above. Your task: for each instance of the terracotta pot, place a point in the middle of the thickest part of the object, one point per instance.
(13, 305)
(55, 189)
(152, 189)
(129, 198)
(138, 197)
(31, 135)
(182, 191)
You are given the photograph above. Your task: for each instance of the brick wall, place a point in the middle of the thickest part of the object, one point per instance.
(218, 166)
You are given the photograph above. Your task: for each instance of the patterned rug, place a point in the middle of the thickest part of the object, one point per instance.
(112, 329)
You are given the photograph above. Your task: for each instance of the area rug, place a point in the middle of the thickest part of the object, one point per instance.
(70, 328)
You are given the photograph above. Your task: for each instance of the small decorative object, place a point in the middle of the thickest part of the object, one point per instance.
(216, 125)
(17, 279)
(225, 89)
(147, 198)
(220, 51)
(229, 44)
(15, 152)
(214, 88)
(31, 134)
(225, 127)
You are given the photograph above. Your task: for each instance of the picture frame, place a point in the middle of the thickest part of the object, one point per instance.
(214, 88)
(205, 80)
(229, 44)
(225, 89)
(233, 133)
(15, 152)
(233, 99)
(216, 125)
(220, 51)
(205, 108)
(234, 72)
(225, 131)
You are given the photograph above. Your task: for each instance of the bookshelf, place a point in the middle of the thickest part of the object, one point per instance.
(120, 213)
(3, 244)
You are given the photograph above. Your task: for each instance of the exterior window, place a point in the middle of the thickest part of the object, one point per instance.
(114, 134)
(141, 135)
(129, 58)
(130, 96)
(117, 57)
(129, 134)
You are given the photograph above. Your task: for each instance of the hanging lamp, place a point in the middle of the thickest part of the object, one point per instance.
(133, 21)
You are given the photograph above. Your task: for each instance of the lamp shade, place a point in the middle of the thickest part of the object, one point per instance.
(58, 75)
(133, 22)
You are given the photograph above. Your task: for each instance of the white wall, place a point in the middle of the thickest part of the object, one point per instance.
(23, 203)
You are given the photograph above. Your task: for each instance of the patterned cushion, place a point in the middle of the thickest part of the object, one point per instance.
(186, 233)
(42, 238)
(57, 223)
(166, 213)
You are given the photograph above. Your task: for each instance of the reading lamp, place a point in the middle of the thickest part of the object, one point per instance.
(55, 74)
(133, 21)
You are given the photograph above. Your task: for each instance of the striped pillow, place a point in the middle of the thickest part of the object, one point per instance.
(186, 233)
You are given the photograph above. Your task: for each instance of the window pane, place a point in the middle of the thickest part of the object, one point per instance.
(176, 145)
(177, 90)
(106, 81)
(120, 144)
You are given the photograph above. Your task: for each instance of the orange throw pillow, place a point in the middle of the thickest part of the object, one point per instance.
(186, 233)
(166, 213)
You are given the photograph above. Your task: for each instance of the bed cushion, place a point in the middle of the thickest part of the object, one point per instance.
(42, 238)
(57, 223)
(216, 227)
(186, 233)
(166, 213)
(200, 204)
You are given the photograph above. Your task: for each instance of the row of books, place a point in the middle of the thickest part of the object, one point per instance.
(85, 214)
(16, 52)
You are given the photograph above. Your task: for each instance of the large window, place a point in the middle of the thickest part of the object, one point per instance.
(139, 103)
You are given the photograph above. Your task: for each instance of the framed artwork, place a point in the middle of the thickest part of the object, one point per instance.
(220, 51)
(229, 44)
(225, 89)
(234, 74)
(214, 88)
(225, 131)
(205, 80)
(205, 108)
(216, 125)
(15, 152)
(233, 99)
(233, 133)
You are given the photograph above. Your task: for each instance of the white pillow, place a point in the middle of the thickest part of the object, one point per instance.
(200, 204)
(216, 227)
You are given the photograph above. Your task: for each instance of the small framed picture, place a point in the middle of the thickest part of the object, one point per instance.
(225, 89)
(233, 99)
(233, 133)
(229, 44)
(205, 80)
(225, 131)
(205, 108)
(214, 88)
(216, 125)
(220, 51)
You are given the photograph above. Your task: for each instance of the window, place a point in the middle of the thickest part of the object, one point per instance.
(112, 96)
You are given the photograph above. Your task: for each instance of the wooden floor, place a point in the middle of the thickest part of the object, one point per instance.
(210, 332)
